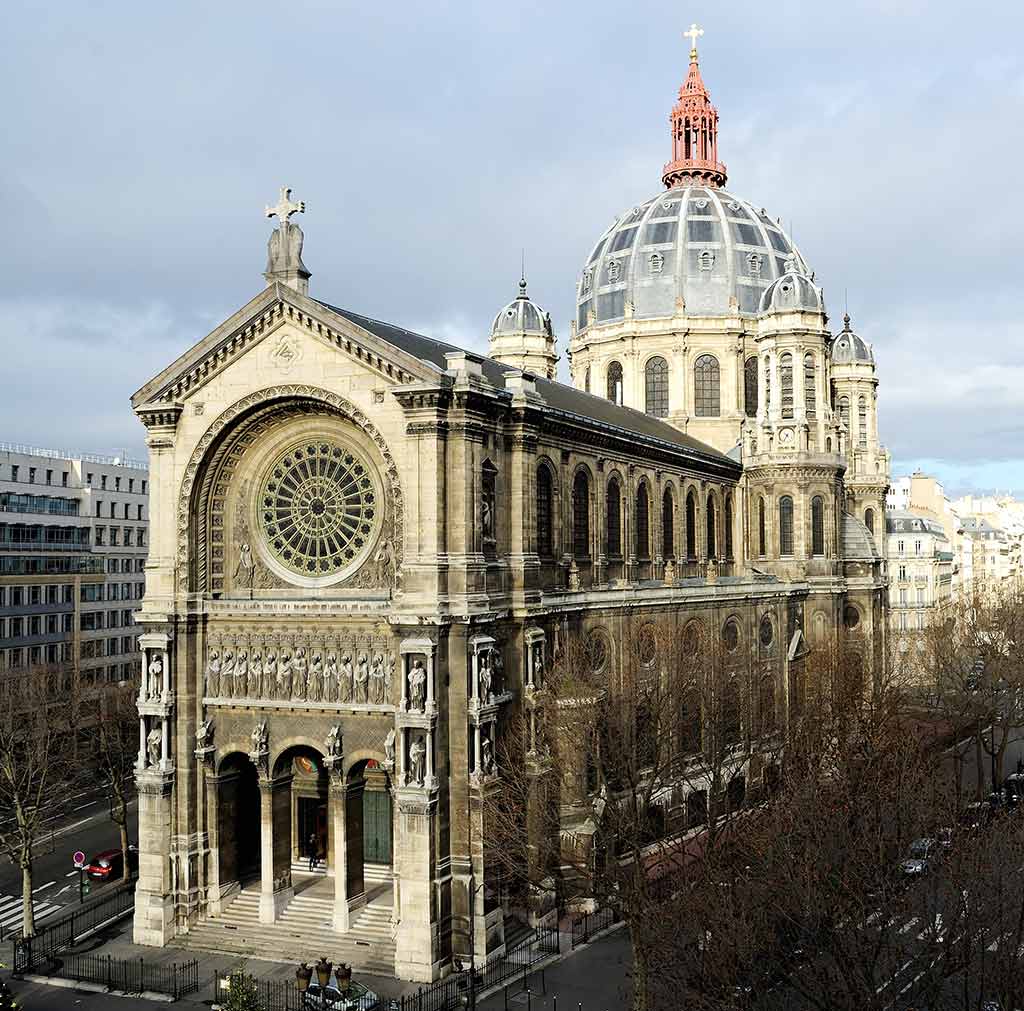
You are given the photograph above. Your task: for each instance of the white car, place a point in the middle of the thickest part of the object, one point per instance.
(920, 857)
(355, 997)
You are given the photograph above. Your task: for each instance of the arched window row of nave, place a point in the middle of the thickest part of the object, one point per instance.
(630, 523)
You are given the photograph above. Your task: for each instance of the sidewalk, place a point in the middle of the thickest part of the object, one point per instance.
(594, 977)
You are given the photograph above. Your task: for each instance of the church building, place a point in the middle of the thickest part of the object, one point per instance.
(366, 544)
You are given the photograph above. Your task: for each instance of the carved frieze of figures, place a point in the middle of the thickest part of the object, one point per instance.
(212, 688)
(315, 687)
(346, 679)
(376, 688)
(362, 678)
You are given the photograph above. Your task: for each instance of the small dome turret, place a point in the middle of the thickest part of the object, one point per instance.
(521, 316)
(794, 291)
(522, 336)
(848, 348)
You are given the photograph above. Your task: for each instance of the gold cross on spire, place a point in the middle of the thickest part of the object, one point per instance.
(286, 207)
(693, 34)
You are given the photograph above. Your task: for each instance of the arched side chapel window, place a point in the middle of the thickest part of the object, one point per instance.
(614, 519)
(668, 534)
(785, 525)
(581, 515)
(728, 526)
(545, 512)
(750, 387)
(707, 394)
(691, 526)
(711, 543)
(762, 529)
(615, 383)
(656, 387)
(643, 523)
(817, 525)
(786, 383)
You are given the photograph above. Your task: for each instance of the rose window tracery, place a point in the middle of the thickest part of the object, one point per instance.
(318, 508)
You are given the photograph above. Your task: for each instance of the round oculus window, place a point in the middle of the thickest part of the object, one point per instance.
(318, 508)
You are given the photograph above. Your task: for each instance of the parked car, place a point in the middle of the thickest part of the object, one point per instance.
(109, 865)
(1013, 789)
(355, 997)
(920, 859)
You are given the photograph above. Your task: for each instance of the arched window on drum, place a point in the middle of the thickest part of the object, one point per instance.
(656, 387)
(785, 525)
(615, 383)
(707, 394)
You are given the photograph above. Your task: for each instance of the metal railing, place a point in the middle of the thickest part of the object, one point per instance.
(129, 975)
(592, 923)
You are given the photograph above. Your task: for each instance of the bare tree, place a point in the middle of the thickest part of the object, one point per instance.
(35, 761)
(117, 743)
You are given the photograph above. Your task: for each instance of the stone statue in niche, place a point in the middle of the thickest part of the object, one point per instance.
(241, 674)
(486, 677)
(486, 755)
(346, 679)
(331, 677)
(255, 673)
(538, 664)
(284, 676)
(316, 679)
(389, 749)
(385, 561)
(245, 569)
(154, 745)
(376, 690)
(213, 675)
(362, 678)
(259, 740)
(498, 672)
(417, 761)
(417, 686)
(389, 673)
(299, 673)
(156, 671)
(269, 685)
(487, 507)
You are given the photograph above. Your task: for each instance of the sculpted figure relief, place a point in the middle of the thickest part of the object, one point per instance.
(389, 673)
(417, 686)
(333, 744)
(376, 688)
(213, 675)
(417, 763)
(486, 755)
(153, 745)
(346, 679)
(227, 673)
(486, 677)
(269, 686)
(316, 679)
(299, 673)
(255, 673)
(362, 677)
(241, 673)
(204, 735)
(331, 676)
(284, 676)
(156, 671)
(260, 739)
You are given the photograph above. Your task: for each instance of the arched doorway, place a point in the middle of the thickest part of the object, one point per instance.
(369, 827)
(309, 841)
(238, 817)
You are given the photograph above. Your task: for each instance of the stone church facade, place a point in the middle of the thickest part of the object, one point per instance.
(366, 545)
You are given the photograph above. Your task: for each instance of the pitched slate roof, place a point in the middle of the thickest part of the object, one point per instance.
(566, 400)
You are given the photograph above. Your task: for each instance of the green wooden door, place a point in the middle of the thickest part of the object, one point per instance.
(377, 827)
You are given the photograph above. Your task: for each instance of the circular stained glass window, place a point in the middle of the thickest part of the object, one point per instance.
(317, 508)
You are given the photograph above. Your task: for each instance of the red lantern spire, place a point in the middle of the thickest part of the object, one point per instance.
(694, 130)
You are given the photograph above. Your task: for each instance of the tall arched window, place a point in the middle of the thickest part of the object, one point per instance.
(844, 413)
(786, 382)
(656, 384)
(691, 525)
(586, 380)
(707, 398)
(750, 387)
(615, 383)
(762, 529)
(767, 384)
(869, 519)
(862, 423)
(817, 526)
(581, 515)
(614, 519)
(785, 525)
(728, 526)
(545, 495)
(668, 533)
(712, 541)
(643, 523)
(810, 393)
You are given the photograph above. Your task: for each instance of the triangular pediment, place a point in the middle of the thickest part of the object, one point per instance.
(258, 319)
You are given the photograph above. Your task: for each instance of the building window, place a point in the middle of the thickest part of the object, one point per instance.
(869, 519)
(712, 540)
(785, 525)
(767, 385)
(643, 523)
(49, 477)
(143, 487)
(668, 546)
(844, 413)
(656, 383)
(31, 475)
(862, 423)
(103, 482)
(902, 573)
(917, 547)
(691, 526)
(750, 387)
(64, 479)
(706, 387)
(586, 380)
(728, 526)
(817, 526)
(762, 529)
(544, 503)
(614, 519)
(810, 392)
(581, 515)
(14, 472)
(615, 383)
(786, 382)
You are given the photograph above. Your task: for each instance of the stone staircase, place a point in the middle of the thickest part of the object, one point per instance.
(303, 932)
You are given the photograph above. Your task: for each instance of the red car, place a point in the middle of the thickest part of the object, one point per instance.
(108, 865)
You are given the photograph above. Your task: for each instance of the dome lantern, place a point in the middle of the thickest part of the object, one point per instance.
(522, 336)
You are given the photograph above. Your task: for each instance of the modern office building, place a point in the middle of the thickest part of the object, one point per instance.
(74, 533)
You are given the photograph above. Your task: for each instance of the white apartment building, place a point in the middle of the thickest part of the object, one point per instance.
(920, 569)
(74, 534)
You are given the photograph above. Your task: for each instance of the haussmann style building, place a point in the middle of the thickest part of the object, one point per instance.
(366, 545)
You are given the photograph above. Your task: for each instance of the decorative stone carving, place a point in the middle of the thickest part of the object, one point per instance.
(331, 679)
(389, 674)
(389, 750)
(362, 677)
(245, 569)
(670, 572)
(212, 689)
(154, 741)
(376, 686)
(259, 744)
(300, 669)
(574, 577)
(346, 679)
(486, 676)
(268, 684)
(417, 686)
(486, 755)
(241, 674)
(417, 761)
(155, 680)
(334, 749)
(315, 692)
(255, 675)
(205, 750)
(284, 676)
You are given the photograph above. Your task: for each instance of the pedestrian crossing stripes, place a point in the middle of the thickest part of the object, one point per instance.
(10, 910)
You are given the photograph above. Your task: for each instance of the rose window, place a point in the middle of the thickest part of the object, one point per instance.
(317, 508)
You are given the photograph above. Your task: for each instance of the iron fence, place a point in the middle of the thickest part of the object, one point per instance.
(592, 923)
(60, 934)
(129, 975)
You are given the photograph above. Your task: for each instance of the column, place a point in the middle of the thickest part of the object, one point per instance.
(430, 679)
(213, 841)
(275, 847)
(336, 804)
(416, 955)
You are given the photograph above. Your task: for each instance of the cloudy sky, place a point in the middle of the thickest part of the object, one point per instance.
(431, 141)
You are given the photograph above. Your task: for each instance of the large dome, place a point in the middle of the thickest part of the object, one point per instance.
(703, 245)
